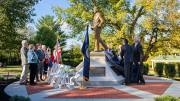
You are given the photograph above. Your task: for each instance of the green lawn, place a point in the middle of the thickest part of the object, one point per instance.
(11, 69)
(151, 72)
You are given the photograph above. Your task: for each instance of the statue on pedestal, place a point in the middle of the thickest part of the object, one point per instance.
(98, 22)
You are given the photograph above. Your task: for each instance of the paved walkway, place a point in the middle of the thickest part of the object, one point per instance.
(155, 86)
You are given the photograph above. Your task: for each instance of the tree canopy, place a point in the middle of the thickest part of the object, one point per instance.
(156, 21)
(14, 14)
(49, 32)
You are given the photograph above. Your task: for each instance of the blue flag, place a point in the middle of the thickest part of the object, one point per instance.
(86, 59)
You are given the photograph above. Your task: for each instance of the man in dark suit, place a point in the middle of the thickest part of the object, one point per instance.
(127, 56)
(138, 55)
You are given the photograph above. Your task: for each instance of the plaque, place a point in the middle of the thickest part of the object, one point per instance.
(97, 71)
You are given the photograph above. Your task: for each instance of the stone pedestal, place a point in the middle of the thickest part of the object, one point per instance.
(101, 74)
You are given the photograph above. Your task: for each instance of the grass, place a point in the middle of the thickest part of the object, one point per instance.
(151, 72)
(177, 78)
(11, 69)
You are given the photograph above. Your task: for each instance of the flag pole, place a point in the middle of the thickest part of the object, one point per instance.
(82, 86)
(84, 79)
(82, 82)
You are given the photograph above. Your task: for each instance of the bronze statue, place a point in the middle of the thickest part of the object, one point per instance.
(97, 26)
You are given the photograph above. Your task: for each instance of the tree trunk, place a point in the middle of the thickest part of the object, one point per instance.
(151, 44)
(132, 25)
(94, 2)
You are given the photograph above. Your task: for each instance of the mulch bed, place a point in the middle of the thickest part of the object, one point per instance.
(95, 93)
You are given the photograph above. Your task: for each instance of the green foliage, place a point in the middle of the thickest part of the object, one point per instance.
(14, 14)
(46, 37)
(159, 69)
(2, 78)
(19, 98)
(72, 56)
(81, 12)
(170, 70)
(166, 98)
(178, 70)
(162, 26)
(18, 76)
(48, 32)
(10, 57)
(123, 19)
(146, 69)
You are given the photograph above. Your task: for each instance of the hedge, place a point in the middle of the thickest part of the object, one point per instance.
(146, 69)
(166, 98)
(178, 70)
(170, 70)
(159, 69)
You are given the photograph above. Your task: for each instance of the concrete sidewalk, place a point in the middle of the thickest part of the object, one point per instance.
(155, 86)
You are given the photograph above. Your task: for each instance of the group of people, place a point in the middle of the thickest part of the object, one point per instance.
(132, 56)
(38, 60)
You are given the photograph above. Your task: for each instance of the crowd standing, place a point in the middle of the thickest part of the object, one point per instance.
(37, 60)
(40, 58)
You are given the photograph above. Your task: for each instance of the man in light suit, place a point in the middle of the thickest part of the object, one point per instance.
(24, 63)
(138, 56)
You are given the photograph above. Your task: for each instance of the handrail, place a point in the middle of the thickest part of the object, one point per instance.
(79, 66)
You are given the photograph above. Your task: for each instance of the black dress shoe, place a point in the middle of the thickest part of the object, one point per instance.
(141, 83)
(126, 83)
(33, 84)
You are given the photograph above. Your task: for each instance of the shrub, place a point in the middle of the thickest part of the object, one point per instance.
(18, 76)
(159, 69)
(166, 98)
(19, 98)
(178, 70)
(2, 78)
(146, 69)
(170, 70)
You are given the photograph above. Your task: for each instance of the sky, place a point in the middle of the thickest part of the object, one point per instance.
(44, 7)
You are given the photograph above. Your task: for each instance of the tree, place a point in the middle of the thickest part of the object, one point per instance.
(124, 19)
(14, 14)
(119, 16)
(160, 24)
(72, 56)
(49, 31)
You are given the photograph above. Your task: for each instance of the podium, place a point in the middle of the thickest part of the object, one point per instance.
(101, 73)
